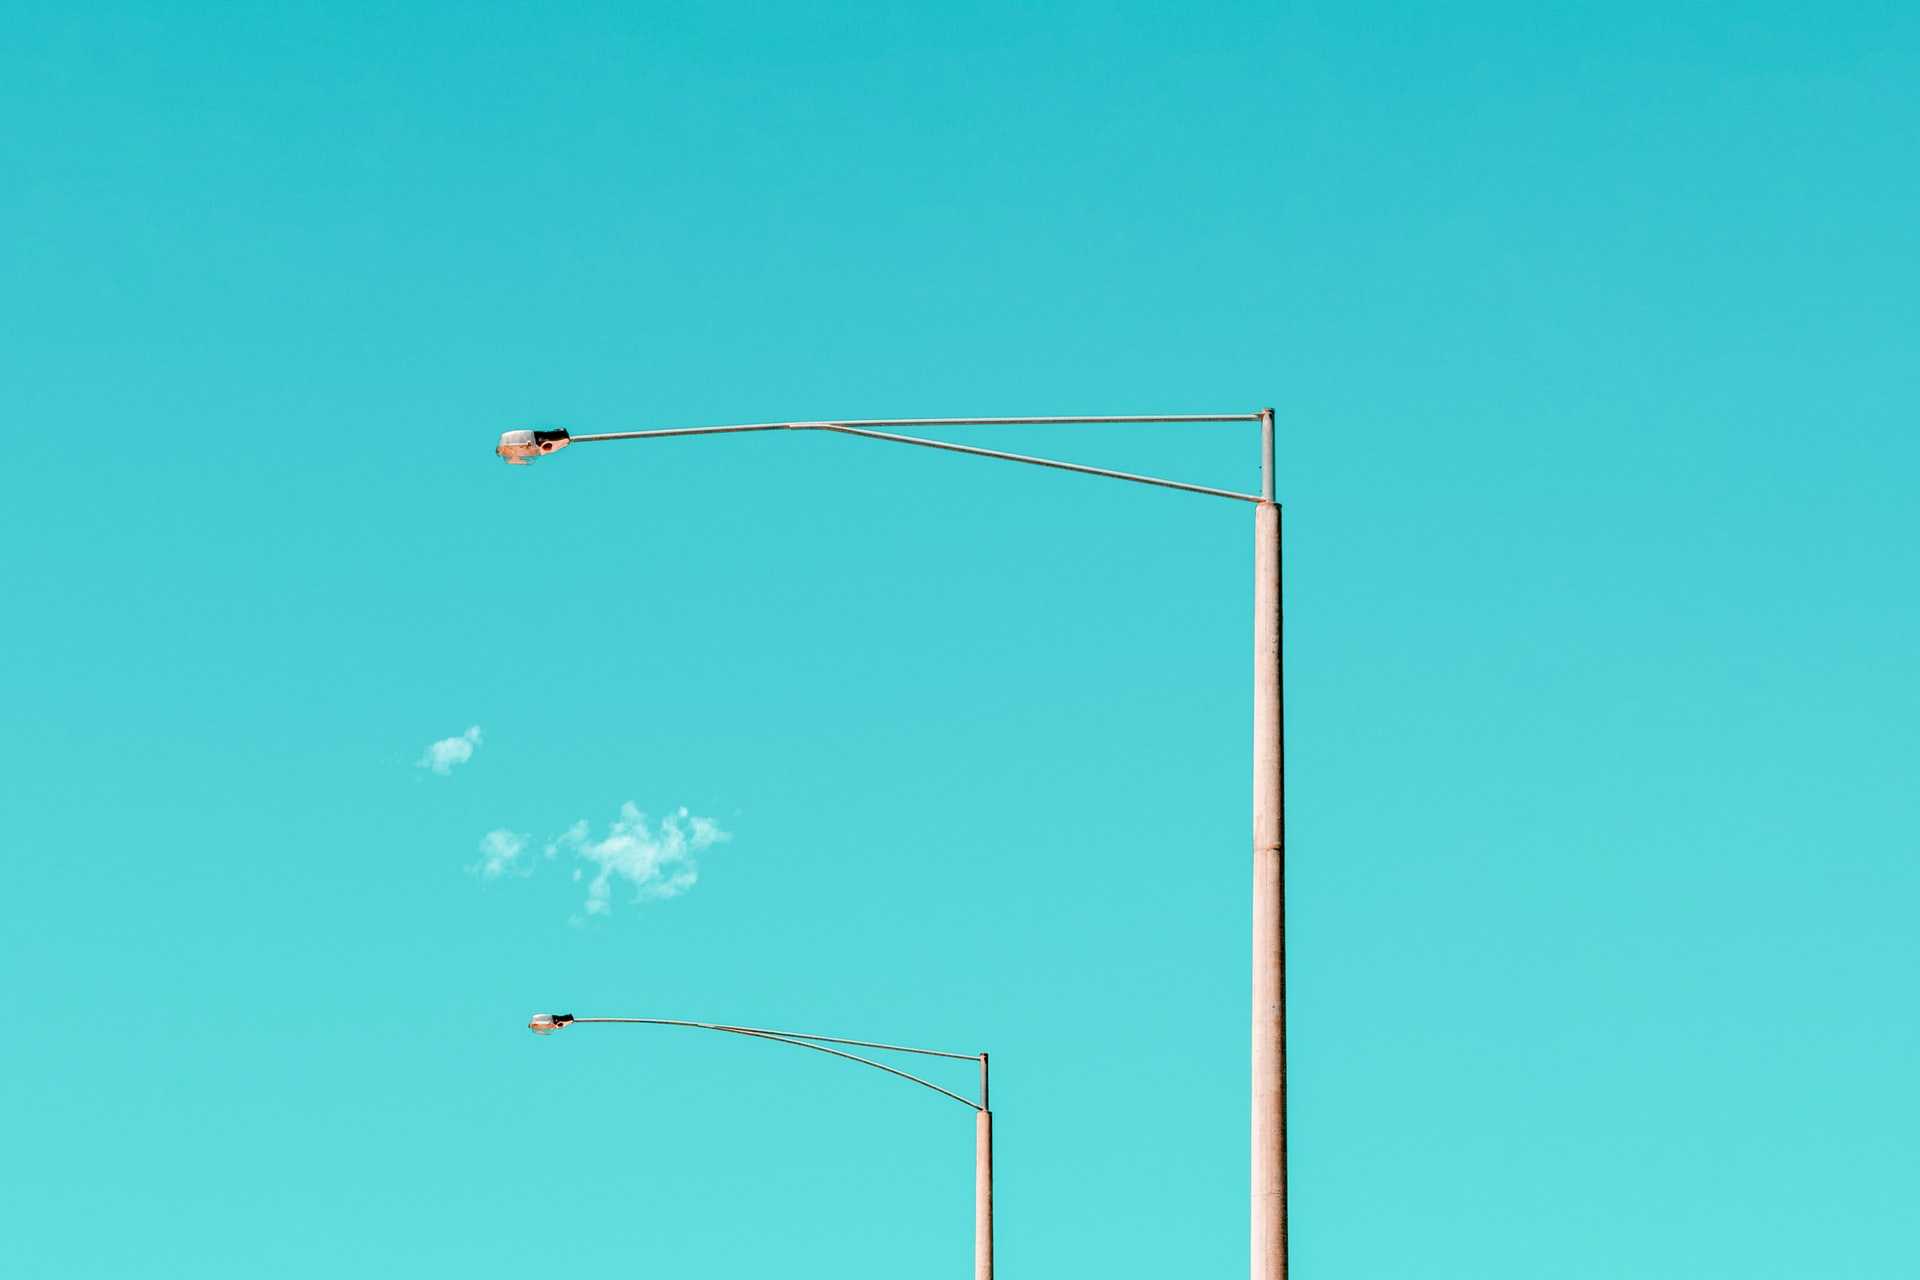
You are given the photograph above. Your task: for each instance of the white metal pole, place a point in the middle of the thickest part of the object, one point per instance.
(1269, 1129)
(983, 1195)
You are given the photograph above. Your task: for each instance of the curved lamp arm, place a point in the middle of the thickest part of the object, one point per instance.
(547, 1023)
(522, 447)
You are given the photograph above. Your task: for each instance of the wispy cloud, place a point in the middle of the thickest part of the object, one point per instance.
(655, 859)
(658, 860)
(500, 851)
(442, 756)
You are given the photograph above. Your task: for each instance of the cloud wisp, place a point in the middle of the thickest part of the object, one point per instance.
(500, 851)
(659, 861)
(444, 755)
(656, 860)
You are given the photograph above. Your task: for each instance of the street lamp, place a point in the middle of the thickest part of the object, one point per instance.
(1269, 1124)
(519, 448)
(545, 1024)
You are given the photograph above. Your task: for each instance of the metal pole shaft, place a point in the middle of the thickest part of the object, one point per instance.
(983, 1195)
(1269, 1129)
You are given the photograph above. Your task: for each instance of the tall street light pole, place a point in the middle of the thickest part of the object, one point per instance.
(545, 1024)
(1269, 1129)
(1268, 1252)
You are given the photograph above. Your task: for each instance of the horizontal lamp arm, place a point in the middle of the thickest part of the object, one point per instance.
(928, 422)
(865, 427)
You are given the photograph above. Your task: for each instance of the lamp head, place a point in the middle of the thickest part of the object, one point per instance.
(545, 1024)
(518, 448)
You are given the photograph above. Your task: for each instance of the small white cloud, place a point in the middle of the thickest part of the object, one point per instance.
(572, 838)
(657, 860)
(443, 755)
(500, 852)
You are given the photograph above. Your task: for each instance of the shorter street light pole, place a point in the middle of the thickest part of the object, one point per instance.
(545, 1024)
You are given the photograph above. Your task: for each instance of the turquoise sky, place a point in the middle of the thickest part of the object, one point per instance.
(1592, 333)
